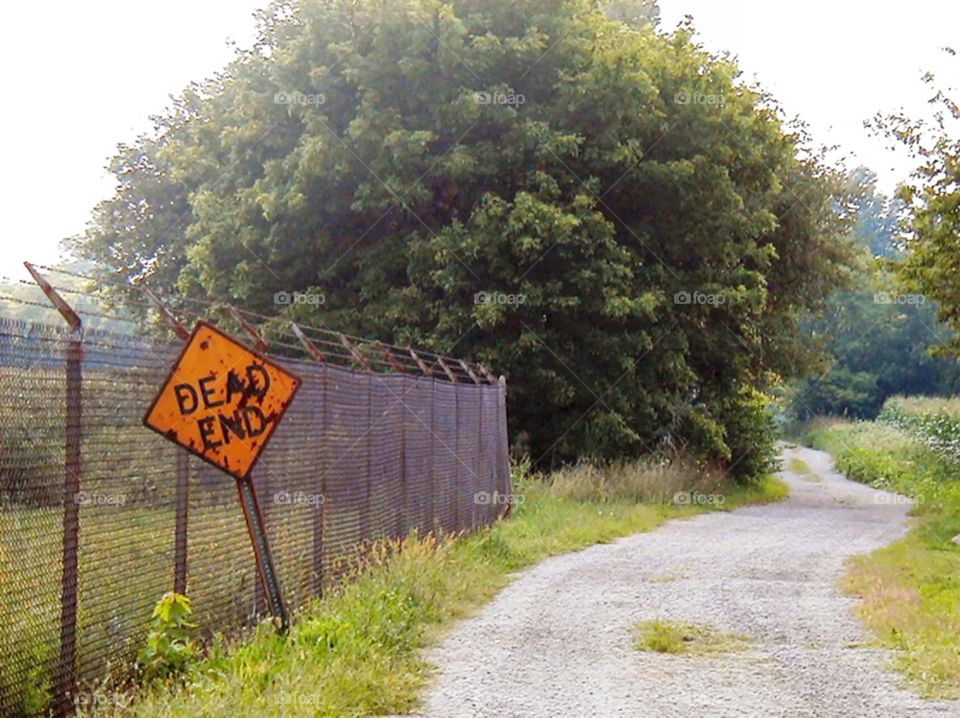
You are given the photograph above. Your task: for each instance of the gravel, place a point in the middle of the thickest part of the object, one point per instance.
(558, 641)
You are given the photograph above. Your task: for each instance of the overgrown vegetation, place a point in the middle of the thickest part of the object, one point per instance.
(357, 651)
(911, 589)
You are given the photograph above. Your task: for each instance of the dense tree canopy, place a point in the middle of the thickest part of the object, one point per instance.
(878, 340)
(401, 157)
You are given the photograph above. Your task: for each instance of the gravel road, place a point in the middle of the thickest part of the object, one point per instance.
(557, 642)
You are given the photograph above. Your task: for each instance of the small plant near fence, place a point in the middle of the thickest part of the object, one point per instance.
(170, 649)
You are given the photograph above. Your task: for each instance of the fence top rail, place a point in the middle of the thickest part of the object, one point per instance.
(281, 336)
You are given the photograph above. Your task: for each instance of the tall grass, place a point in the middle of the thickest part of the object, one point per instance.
(640, 480)
(925, 404)
(933, 421)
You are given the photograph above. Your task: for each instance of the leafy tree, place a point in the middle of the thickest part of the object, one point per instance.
(877, 217)
(539, 149)
(933, 237)
(877, 340)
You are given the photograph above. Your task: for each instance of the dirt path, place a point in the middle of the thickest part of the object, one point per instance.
(557, 642)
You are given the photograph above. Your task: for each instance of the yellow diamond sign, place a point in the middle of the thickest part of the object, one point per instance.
(221, 401)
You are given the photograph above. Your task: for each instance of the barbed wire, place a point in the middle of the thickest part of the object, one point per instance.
(331, 345)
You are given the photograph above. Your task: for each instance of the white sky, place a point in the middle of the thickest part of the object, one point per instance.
(82, 77)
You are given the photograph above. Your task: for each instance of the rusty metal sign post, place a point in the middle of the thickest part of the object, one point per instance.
(222, 402)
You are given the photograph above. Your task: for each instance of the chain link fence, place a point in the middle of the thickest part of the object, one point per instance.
(360, 455)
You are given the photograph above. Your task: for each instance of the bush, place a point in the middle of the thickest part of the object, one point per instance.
(750, 436)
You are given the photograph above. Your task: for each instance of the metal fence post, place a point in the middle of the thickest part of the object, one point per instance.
(456, 444)
(365, 510)
(503, 442)
(433, 456)
(431, 504)
(320, 520)
(66, 679)
(478, 485)
(480, 461)
(183, 470)
(404, 510)
(320, 517)
(180, 540)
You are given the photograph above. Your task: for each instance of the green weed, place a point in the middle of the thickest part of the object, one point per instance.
(675, 637)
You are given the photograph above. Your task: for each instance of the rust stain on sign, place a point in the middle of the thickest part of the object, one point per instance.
(221, 401)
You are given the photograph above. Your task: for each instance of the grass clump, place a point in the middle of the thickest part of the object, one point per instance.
(659, 636)
(798, 466)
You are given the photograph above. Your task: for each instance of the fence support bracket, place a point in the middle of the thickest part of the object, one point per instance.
(489, 374)
(308, 345)
(450, 374)
(259, 343)
(58, 302)
(357, 356)
(166, 317)
(391, 359)
(466, 368)
(427, 371)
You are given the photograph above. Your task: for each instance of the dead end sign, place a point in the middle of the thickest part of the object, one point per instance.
(221, 401)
